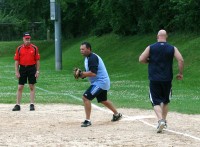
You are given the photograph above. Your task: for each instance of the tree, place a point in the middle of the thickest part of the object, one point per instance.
(187, 15)
(23, 15)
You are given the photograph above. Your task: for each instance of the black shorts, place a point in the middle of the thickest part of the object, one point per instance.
(27, 72)
(160, 92)
(94, 91)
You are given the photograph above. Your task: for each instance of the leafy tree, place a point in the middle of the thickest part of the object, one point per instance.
(77, 18)
(98, 17)
(101, 17)
(124, 16)
(187, 15)
(22, 15)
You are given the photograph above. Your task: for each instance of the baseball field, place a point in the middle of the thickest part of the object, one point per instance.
(59, 109)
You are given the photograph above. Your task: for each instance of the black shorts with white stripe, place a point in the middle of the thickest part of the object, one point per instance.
(95, 91)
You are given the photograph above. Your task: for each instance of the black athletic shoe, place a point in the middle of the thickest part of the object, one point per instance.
(117, 117)
(32, 107)
(86, 123)
(16, 108)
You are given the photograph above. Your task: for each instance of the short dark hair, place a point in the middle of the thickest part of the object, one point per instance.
(87, 44)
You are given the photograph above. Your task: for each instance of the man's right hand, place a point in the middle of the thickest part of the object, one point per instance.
(17, 75)
(179, 76)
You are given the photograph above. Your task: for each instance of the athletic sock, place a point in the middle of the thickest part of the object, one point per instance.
(116, 114)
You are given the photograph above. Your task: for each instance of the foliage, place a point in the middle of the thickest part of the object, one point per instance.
(20, 16)
(101, 14)
(98, 17)
(187, 15)
(76, 17)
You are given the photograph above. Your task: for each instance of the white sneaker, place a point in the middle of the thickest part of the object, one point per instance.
(161, 125)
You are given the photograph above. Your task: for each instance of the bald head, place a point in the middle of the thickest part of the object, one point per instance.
(162, 36)
(162, 32)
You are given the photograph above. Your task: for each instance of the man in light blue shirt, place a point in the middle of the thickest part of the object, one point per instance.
(99, 80)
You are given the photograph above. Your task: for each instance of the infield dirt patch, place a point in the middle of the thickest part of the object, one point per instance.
(56, 125)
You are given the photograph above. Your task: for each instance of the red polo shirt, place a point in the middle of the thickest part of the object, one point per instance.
(27, 55)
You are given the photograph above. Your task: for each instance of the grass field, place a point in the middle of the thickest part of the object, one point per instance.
(129, 82)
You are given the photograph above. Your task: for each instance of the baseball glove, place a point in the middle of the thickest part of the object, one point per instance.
(77, 73)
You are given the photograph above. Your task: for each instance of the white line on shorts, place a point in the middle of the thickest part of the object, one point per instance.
(130, 118)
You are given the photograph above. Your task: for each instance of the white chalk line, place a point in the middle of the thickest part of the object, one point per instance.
(125, 117)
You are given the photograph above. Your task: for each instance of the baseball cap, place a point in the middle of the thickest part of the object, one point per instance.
(26, 35)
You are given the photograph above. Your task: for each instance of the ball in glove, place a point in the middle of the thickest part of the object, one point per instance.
(77, 73)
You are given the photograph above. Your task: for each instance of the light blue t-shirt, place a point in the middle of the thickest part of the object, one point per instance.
(95, 64)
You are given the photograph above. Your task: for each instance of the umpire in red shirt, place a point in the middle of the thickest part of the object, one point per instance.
(27, 67)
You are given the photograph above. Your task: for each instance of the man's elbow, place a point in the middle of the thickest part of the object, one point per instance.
(142, 60)
(93, 74)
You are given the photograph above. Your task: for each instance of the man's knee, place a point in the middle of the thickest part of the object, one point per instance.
(32, 87)
(84, 99)
(20, 87)
(105, 102)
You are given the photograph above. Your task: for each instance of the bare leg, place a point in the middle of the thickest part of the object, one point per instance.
(32, 93)
(87, 105)
(165, 111)
(110, 106)
(19, 93)
(158, 111)
(161, 112)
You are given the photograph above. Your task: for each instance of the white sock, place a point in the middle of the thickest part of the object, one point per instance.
(116, 114)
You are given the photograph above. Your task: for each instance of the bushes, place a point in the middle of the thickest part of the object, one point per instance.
(98, 17)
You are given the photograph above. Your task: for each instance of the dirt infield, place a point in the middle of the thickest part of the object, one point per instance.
(59, 126)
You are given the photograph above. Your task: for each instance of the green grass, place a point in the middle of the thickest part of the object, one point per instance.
(129, 81)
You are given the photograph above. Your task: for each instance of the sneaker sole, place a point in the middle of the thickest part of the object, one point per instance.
(85, 125)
